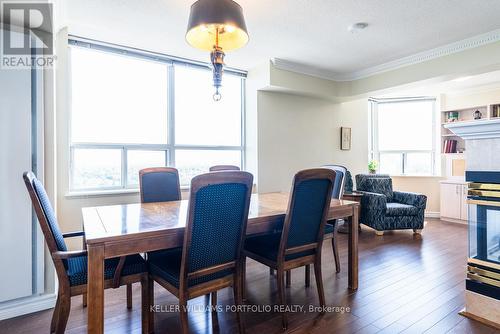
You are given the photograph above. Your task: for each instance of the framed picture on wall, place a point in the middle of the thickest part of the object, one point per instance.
(345, 138)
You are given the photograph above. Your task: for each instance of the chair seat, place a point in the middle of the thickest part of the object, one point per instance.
(77, 268)
(267, 246)
(398, 209)
(167, 265)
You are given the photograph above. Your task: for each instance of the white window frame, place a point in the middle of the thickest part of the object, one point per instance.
(374, 150)
(171, 146)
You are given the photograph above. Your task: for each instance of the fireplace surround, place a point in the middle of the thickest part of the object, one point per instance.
(482, 143)
(483, 269)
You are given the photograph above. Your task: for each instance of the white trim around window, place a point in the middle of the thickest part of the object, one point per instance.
(375, 152)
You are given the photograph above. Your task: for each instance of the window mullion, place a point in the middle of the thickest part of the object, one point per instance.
(171, 115)
(124, 167)
(405, 162)
(242, 124)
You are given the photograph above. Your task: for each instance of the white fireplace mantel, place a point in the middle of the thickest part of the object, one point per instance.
(476, 129)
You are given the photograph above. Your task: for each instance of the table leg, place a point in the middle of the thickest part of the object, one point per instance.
(353, 249)
(95, 289)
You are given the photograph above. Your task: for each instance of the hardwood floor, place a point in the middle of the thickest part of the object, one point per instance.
(408, 284)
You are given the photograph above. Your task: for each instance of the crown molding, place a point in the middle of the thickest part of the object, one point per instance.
(445, 50)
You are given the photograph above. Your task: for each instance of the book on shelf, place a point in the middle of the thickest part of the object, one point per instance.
(450, 146)
(495, 111)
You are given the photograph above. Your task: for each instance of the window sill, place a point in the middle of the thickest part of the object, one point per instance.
(418, 176)
(100, 193)
(106, 193)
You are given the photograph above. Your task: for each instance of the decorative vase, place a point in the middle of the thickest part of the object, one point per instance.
(372, 171)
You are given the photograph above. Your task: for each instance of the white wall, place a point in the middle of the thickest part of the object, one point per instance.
(294, 133)
(354, 115)
(297, 132)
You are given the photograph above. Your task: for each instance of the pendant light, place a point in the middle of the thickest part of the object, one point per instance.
(216, 26)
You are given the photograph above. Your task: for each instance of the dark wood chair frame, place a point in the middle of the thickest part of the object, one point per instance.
(281, 265)
(144, 171)
(184, 292)
(219, 168)
(65, 292)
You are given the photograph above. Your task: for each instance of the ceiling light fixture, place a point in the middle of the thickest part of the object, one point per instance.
(216, 25)
(461, 79)
(353, 28)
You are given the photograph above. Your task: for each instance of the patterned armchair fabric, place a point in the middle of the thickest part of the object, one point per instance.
(348, 185)
(385, 209)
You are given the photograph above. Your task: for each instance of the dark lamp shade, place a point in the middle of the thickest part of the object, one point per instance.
(208, 15)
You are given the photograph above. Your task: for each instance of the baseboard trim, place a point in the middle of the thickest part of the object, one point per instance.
(432, 214)
(27, 305)
(453, 220)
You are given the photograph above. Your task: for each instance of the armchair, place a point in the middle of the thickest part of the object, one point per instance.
(384, 209)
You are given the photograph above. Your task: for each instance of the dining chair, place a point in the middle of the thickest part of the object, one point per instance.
(332, 225)
(300, 241)
(218, 168)
(213, 240)
(71, 266)
(159, 184)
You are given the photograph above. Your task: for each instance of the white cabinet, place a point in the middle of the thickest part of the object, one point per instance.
(453, 201)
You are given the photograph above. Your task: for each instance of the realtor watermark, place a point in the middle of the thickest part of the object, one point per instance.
(27, 35)
(293, 308)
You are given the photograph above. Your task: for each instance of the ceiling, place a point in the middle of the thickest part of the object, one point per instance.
(310, 33)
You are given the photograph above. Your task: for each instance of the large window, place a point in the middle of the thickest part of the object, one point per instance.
(130, 110)
(403, 136)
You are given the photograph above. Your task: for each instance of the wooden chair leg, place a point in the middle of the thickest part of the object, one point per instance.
(238, 300)
(84, 299)
(213, 300)
(243, 278)
(183, 314)
(319, 282)
(335, 249)
(63, 310)
(288, 278)
(281, 296)
(147, 324)
(308, 275)
(129, 296)
(150, 293)
(55, 315)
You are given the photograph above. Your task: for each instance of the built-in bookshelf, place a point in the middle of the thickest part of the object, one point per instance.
(453, 144)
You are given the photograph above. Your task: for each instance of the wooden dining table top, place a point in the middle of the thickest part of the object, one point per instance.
(112, 222)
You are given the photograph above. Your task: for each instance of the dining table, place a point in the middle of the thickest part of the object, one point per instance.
(119, 230)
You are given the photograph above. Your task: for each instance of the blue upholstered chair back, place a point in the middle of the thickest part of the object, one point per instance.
(375, 183)
(338, 186)
(47, 210)
(218, 218)
(306, 212)
(159, 185)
